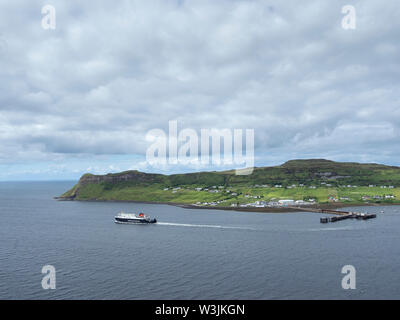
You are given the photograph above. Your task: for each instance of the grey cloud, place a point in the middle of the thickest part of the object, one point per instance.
(112, 71)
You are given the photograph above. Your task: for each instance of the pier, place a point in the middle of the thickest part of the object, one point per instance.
(338, 214)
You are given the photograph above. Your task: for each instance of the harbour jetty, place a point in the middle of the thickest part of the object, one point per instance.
(338, 214)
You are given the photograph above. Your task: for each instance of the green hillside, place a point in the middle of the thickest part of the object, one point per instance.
(322, 180)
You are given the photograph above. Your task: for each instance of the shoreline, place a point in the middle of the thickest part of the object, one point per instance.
(331, 206)
(313, 208)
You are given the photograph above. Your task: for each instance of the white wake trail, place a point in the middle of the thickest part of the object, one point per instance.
(200, 226)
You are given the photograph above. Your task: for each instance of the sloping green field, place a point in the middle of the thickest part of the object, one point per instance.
(322, 180)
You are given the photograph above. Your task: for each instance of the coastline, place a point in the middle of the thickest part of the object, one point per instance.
(331, 206)
(312, 208)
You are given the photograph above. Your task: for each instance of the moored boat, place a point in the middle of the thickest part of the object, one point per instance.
(132, 218)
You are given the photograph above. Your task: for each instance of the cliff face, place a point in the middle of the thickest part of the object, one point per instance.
(128, 176)
(131, 177)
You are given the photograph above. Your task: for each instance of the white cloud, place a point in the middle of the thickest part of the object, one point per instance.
(112, 71)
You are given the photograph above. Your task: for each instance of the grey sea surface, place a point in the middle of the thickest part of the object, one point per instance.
(189, 254)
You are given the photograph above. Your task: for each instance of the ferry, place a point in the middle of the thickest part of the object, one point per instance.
(132, 218)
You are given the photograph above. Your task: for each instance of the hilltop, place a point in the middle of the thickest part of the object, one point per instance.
(320, 180)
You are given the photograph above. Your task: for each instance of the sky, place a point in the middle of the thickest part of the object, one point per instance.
(82, 97)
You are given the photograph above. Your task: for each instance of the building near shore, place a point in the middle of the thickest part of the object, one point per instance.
(286, 202)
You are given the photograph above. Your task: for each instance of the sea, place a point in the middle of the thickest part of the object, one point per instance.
(189, 253)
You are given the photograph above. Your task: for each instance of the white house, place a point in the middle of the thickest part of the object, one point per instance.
(286, 202)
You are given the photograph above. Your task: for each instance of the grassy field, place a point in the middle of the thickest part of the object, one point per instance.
(323, 181)
(188, 195)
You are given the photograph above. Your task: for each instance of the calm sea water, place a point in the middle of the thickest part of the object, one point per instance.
(190, 254)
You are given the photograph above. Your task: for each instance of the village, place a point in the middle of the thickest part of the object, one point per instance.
(232, 197)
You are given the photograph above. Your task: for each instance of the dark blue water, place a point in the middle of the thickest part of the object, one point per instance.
(191, 254)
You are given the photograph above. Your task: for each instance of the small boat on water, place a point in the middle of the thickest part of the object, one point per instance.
(132, 218)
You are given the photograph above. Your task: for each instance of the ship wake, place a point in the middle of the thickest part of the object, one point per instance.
(201, 226)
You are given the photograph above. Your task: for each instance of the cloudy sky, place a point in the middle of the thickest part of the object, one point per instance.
(82, 97)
